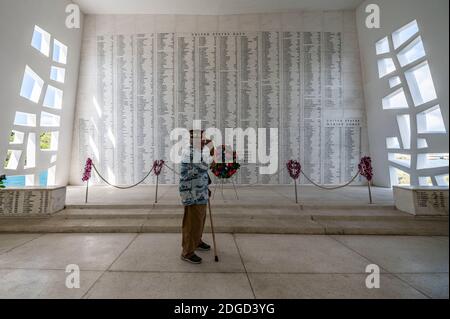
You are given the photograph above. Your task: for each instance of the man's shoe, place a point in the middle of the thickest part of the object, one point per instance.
(193, 259)
(203, 247)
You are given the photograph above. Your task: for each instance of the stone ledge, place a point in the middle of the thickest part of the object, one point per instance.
(261, 225)
(422, 201)
(32, 201)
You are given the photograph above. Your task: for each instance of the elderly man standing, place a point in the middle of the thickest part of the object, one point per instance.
(194, 192)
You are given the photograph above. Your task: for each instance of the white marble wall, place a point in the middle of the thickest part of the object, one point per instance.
(325, 130)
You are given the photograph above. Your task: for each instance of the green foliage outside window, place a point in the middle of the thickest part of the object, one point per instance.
(45, 140)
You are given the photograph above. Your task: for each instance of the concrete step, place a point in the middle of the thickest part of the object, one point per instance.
(237, 205)
(232, 224)
(355, 213)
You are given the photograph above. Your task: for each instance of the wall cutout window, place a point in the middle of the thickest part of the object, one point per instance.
(49, 120)
(385, 67)
(25, 119)
(53, 97)
(442, 180)
(401, 159)
(404, 33)
(422, 143)
(12, 159)
(404, 125)
(382, 46)
(57, 74)
(16, 137)
(392, 143)
(30, 159)
(426, 161)
(34, 139)
(31, 85)
(395, 100)
(421, 84)
(41, 41)
(59, 52)
(399, 177)
(430, 121)
(413, 52)
(425, 181)
(49, 141)
(394, 81)
(411, 88)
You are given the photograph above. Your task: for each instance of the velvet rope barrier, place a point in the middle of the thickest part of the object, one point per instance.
(294, 168)
(120, 187)
(156, 169)
(172, 169)
(331, 188)
(364, 169)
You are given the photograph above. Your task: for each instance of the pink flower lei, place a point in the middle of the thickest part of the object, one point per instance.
(157, 167)
(365, 168)
(87, 170)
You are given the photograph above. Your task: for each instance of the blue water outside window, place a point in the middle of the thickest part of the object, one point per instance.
(14, 181)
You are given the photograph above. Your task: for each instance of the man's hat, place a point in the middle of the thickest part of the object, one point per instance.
(196, 133)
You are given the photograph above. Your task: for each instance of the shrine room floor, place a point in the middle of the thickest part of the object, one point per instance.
(126, 246)
(250, 266)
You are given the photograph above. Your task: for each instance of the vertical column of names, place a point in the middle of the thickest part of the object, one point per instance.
(332, 103)
(249, 98)
(312, 105)
(123, 139)
(207, 79)
(270, 90)
(352, 146)
(227, 81)
(165, 114)
(145, 106)
(185, 79)
(289, 129)
(333, 130)
(103, 146)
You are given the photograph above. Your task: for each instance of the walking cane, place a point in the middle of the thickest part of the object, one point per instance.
(216, 258)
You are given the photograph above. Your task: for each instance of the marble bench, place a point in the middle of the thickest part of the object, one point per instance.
(422, 200)
(32, 201)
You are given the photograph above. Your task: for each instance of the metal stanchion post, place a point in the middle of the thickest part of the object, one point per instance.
(295, 185)
(370, 192)
(87, 191)
(156, 191)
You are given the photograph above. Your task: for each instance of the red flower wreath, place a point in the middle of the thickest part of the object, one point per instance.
(294, 169)
(224, 170)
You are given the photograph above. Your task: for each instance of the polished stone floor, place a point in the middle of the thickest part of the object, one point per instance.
(251, 266)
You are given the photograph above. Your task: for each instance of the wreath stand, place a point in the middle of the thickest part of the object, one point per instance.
(222, 183)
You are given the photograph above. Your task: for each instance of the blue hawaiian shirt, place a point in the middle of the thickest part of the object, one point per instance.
(193, 180)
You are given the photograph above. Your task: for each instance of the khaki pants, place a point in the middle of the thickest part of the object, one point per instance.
(193, 224)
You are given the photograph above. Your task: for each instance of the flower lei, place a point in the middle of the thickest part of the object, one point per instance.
(224, 170)
(2, 178)
(294, 168)
(157, 167)
(365, 168)
(87, 170)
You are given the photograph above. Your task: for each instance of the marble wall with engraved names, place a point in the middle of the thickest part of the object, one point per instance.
(141, 76)
(31, 201)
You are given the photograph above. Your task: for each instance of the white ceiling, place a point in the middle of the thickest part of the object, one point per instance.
(214, 7)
